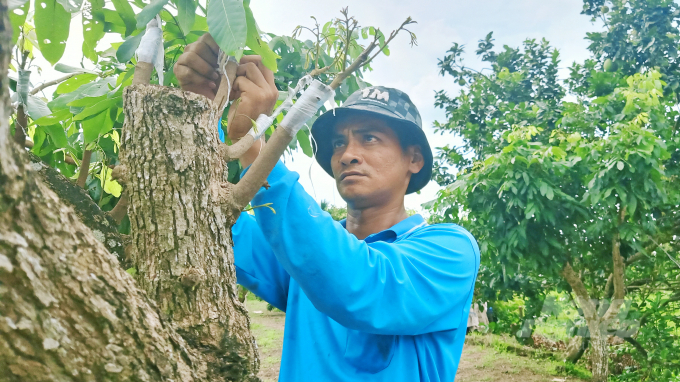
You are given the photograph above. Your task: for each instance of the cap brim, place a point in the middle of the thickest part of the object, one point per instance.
(322, 131)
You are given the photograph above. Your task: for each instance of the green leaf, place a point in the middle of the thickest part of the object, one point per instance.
(17, 17)
(305, 144)
(109, 185)
(227, 24)
(149, 12)
(52, 24)
(127, 49)
(93, 31)
(127, 14)
(97, 108)
(58, 135)
(71, 6)
(71, 69)
(550, 194)
(186, 14)
(75, 82)
(38, 139)
(131, 271)
(255, 43)
(53, 118)
(84, 102)
(96, 126)
(36, 108)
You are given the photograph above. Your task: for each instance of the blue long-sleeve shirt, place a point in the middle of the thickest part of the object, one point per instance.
(392, 307)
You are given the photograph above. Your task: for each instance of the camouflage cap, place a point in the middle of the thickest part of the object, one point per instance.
(391, 104)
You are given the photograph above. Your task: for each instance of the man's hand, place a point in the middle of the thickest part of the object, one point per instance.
(196, 71)
(196, 68)
(254, 85)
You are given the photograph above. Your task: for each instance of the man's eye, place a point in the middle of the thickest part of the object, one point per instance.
(370, 138)
(338, 144)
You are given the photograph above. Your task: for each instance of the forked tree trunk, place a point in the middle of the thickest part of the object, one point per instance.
(181, 222)
(69, 312)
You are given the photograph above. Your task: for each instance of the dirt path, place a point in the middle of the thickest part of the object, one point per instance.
(478, 364)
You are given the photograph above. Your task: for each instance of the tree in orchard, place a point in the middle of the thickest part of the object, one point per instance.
(69, 309)
(582, 192)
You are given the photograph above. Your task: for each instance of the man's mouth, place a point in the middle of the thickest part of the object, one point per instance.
(350, 173)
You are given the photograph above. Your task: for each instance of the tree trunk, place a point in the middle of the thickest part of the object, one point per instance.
(181, 223)
(69, 312)
(599, 354)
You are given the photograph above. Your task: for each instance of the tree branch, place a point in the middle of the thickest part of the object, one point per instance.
(53, 82)
(392, 36)
(84, 168)
(120, 210)
(20, 124)
(574, 280)
(618, 273)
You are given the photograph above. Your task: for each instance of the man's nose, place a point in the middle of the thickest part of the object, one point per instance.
(352, 154)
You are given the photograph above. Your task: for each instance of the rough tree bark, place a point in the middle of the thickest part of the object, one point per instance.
(181, 223)
(69, 312)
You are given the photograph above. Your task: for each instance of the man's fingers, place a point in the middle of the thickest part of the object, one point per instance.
(266, 72)
(197, 63)
(187, 76)
(253, 73)
(245, 85)
(210, 42)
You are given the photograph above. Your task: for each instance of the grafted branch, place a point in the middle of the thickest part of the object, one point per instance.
(256, 176)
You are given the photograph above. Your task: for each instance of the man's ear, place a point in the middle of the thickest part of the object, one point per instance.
(417, 161)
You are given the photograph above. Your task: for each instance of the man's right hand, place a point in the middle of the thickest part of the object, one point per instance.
(196, 68)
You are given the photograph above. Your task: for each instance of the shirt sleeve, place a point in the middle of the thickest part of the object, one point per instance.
(409, 287)
(256, 267)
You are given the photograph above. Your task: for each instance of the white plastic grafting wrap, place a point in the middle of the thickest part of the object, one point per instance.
(264, 121)
(151, 47)
(306, 106)
(23, 84)
(262, 124)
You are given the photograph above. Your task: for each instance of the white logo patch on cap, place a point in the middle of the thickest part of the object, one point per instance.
(377, 94)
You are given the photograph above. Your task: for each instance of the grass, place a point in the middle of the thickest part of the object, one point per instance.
(508, 349)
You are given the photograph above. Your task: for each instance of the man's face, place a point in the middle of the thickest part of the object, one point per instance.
(368, 163)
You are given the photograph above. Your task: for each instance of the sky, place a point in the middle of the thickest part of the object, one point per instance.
(410, 69)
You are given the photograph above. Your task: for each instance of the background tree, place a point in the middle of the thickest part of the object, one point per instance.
(580, 190)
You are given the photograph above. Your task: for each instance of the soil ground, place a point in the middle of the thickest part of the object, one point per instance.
(478, 363)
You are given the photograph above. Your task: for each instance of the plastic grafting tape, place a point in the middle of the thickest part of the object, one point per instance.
(306, 106)
(22, 86)
(151, 47)
(263, 122)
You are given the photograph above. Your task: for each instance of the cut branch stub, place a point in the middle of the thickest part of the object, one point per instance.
(181, 224)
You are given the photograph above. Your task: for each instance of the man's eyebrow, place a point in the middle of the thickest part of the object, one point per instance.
(369, 129)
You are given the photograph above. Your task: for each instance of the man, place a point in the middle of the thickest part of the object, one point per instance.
(380, 296)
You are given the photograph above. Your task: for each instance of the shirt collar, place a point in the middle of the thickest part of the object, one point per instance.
(402, 228)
